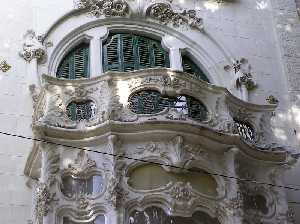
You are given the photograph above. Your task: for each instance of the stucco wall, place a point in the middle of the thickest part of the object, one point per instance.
(244, 28)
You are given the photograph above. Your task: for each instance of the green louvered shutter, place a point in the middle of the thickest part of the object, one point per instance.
(111, 53)
(128, 52)
(190, 67)
(75, 64)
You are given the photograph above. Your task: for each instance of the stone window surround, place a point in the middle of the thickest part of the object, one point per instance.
(95, 37)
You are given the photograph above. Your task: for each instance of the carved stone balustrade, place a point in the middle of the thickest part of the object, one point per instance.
(229, 120)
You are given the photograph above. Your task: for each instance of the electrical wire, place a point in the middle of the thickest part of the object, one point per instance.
(157, 163)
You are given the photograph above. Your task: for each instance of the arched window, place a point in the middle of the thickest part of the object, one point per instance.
(83, 110)
(190, 67)
(75, 64)
(128, 52)
(151, 102)
(77, 187)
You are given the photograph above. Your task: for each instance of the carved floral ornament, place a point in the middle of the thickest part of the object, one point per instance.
(4, 66)
(44, 200)
(242, 69)
(165, 12)
(33, 47)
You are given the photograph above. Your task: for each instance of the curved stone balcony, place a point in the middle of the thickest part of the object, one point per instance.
(228, 120)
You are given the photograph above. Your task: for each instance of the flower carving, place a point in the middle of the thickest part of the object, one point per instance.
(32, 47)
(167, 15)
(107, 8)
(4, 66)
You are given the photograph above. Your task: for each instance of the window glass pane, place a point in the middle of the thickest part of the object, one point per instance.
(73, 187)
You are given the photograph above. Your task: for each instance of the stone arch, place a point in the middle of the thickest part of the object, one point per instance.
(211, 55)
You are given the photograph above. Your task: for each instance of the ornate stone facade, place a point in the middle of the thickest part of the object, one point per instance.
(118, 162)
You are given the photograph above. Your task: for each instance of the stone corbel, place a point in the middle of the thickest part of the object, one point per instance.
(33, 47)
(180, 156)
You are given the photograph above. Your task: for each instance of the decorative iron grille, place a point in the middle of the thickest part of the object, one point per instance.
(151, 102)
(83, 110)
(245, 130)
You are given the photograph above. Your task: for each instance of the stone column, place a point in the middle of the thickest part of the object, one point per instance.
(175, 46)
(232, 205)
(98, 35)
(175, 59)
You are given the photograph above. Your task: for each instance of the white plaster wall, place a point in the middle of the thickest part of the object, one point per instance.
(245, 28)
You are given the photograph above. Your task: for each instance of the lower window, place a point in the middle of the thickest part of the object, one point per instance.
(155, 215)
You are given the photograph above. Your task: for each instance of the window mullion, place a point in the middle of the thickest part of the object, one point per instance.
(72, 66)
(151, 54)
(135, 46)
(120, 53)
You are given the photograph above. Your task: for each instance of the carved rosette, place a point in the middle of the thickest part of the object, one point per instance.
(4, 66)
(107, 8)
(165, 14)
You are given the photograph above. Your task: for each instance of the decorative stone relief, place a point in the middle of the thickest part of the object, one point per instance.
(180, 156)
(181, 192)
(82, 203)
(107, 8)
(56, 114)
(43, 202)
(234, 206)
(81, 165)
(4, 66)
(163, 11)
(80, 92)
(52, 165)
(32, 47)
(166, 14)
(244, 80)
(272, 100)
(34, 93)
(115, 194)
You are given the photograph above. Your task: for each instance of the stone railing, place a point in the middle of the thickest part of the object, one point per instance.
(226, 114)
